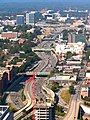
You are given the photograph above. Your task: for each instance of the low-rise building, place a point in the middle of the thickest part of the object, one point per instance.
(85, 91)
(72, 62)
(86, 112)
(77, 23)
(44, 112)
(77, 48)
(9, 22)
(9, 35)
(68, 71)
(21, 41)
(88, 66)
(64, 79)
(87, 75)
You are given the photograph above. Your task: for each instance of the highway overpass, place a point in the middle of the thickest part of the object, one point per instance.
(36, 73)
(41, 50)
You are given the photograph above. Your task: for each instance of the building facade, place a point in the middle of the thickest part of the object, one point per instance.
(3, 82)
(5, 114)
(32, 17)
(85, 92)
(44, 112)
(9, 35)
(20, 20)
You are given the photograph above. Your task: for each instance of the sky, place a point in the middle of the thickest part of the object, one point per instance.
(50, 4)
(2, 1)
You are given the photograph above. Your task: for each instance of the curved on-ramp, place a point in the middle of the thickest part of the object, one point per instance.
(50, 93)
(30, 102)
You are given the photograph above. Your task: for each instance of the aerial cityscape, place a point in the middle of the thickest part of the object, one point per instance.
(44, 60)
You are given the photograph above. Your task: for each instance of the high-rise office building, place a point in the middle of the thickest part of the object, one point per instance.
(32, 17)
(20, 20)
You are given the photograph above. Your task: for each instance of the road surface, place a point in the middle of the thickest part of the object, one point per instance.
(74, 105)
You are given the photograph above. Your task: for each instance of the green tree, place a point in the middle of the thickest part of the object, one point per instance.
(14, 49)
(26, 48)
(22, 28)
(69, 55)
(71, 89)
(8, 28)
(29, 36)
(59, 110)
(55, 87)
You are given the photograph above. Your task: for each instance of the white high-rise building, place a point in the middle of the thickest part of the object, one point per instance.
(32, 17)
(27, 18)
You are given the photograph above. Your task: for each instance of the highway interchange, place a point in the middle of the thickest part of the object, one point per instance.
(33, 87)
(75, 102)
(74, 105)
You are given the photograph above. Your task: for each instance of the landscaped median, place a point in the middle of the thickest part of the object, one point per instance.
(65, 95)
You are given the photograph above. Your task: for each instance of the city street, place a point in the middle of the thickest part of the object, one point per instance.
(72, 113)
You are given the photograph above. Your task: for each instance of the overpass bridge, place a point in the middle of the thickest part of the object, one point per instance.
(41, 50)
(35, 73)
(49, 39)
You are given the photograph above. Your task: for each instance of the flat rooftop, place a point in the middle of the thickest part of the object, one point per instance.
(64, 78)
(3, 110)
(86, 109)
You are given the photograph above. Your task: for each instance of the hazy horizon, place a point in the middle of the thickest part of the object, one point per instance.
(67, 1)
(20, 5)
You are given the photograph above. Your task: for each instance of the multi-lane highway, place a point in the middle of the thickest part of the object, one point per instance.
(48, 60)
(43, 63)
(29, 93)
(47, 63)
(33, 88)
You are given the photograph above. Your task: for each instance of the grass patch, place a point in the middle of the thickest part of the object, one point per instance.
(59, 110)
(65, 95)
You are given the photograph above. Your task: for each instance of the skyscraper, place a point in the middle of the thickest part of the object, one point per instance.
(20, 20)
(32, 17)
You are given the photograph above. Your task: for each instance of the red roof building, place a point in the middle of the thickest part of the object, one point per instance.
(9, 35)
